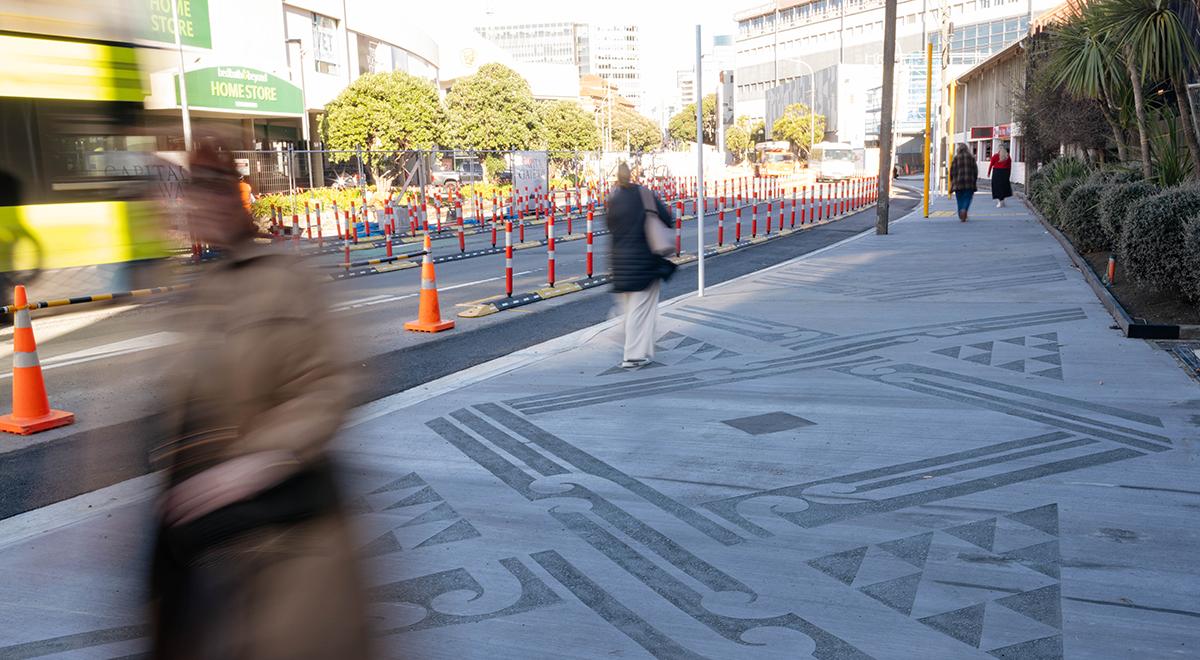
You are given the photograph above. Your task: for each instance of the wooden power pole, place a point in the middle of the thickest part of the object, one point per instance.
(885, 117)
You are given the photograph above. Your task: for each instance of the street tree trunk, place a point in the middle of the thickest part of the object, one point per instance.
(1139, 107)
(1185, 118)
(1106, 107)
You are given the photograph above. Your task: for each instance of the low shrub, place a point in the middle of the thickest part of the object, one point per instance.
(1079, 218)
(1153, 241)
(1191, 243)
(1056, 201)
(1114, 175)
(1115, 202)
(1043, 184)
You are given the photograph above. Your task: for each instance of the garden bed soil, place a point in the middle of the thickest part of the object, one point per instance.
(1147, 303)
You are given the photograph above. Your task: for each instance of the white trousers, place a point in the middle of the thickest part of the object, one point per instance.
(641, 312)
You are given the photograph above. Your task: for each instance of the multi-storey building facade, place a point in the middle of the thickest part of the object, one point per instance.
(612, 52)
(780, 42)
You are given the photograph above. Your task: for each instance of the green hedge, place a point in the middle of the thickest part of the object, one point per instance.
(1044, 184)
(1191, 243)
(1153, 241)
(1079, 217)
(1055, 205)
(1115, 203)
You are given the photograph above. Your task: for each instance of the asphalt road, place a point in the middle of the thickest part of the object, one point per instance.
(107, 364)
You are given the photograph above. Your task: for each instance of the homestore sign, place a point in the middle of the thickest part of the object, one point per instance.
(239, 88)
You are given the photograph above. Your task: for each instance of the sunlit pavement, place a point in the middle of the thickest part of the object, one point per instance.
(924, 445)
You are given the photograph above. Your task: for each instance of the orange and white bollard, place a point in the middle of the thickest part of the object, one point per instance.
(678, 228)
(550, 247)
(508, 258)
(589, 244)
(737, 227)
(721, 228)
(754, 220)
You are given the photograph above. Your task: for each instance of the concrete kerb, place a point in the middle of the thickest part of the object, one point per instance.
(557, 346)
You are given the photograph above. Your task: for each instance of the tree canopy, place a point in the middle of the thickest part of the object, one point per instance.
(566, 126)
(737, 139)
(638, 132)
(682, 125)
(492, 110)
(383, 112)
(796, 125)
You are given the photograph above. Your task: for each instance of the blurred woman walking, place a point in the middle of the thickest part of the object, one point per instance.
(1000, 169)
(963, 173)
(639, 224)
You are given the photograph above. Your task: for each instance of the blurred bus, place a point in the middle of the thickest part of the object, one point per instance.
(774, 159)
(77, 163)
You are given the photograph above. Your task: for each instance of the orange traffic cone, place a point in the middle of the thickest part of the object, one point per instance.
(31, 409)
(429, 316)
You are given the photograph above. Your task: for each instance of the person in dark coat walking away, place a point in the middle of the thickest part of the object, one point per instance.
(1000, 169)
(637, 271)
(963, 173)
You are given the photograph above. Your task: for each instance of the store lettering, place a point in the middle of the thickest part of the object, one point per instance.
(243, 91)
(161, 22)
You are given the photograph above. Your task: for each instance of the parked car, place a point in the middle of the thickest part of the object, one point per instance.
(452, 179)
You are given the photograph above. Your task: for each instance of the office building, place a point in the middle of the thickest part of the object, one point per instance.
(780, 42)
(612, 52)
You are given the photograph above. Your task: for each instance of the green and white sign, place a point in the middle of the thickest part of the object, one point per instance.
(241, 89)
(194, 28)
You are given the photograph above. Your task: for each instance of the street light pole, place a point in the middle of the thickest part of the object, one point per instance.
(183, 100)
(305, 131)
(812, 102)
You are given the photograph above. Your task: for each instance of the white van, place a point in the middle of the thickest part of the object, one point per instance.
(833, 161)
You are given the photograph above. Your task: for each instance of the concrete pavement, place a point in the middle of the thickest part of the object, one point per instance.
(924, 445)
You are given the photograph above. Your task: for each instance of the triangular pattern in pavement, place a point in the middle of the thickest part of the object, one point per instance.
(457, 532)
(914, 549)
(1055, 373)
(983, 358)
(981, 533)
(442, 511)
(727, 353)
(842, 566)
(1053, 358)
(1046, 648)
(897, 594)
(1042, 557)
(422, 496)
(1042, 518)
(410, 480)
(965, 625)
(952, 352)
(1048, 336)
(687, 341)
(1016, 341)
(1043, 605)
(1015, 365)
(384, 545)
(985, 346)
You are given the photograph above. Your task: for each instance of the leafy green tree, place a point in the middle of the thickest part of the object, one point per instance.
(758, 131)
(682, 125)
(381, 113)
(737, 140)
(799, 126)
(1156, 44)
(567, 127)
(634, 130)
(492, 110)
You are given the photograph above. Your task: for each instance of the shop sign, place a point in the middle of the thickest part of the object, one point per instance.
(1003, 131)
(242, 89)
(194, 29)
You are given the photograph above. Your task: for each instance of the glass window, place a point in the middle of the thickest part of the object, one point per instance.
(324, 39)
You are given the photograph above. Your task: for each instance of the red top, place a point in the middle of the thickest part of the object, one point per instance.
(999, 164)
